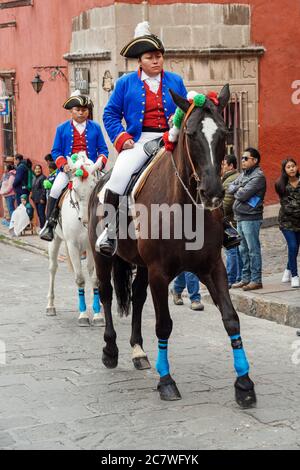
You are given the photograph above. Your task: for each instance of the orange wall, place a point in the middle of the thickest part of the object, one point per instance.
(43, 35)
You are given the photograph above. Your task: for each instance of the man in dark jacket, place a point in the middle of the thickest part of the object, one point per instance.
(20, 184)
(249, 191)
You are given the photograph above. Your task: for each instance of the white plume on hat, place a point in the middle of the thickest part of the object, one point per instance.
(142, 29)
(75, 93)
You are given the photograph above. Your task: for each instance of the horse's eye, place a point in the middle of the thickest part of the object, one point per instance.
(190, 132)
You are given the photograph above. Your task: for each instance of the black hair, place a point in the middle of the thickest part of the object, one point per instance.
(9, 166)
(29, 163)
(52, 166)
(281, 183)
(48, 158)
(231, 160)
(19, 157)
(254, 153)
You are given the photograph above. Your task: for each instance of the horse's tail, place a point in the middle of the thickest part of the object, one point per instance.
(122, 275)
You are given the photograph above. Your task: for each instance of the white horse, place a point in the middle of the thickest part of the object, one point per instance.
(72, 228)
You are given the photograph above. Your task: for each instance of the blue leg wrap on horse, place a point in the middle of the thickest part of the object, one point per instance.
(162, 364)
(96, 303)
(241, 364)
(82, 305)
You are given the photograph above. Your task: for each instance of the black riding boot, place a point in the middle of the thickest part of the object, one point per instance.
(107, 241)
(47, 232)
(231, 236)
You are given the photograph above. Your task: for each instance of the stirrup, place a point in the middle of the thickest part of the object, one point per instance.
(47, 232)
(104, 242)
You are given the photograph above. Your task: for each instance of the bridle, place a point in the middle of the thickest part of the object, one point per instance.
(75, 205)
(198, 202)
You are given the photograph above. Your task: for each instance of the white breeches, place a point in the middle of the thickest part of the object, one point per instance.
(128, 162)
(59, 184)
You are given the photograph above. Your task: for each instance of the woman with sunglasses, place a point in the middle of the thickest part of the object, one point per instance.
(288, 190)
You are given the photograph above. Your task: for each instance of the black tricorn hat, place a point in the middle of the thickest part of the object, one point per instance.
(143, 42)
(77, 100)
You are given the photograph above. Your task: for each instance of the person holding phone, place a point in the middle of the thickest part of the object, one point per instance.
(249, 191)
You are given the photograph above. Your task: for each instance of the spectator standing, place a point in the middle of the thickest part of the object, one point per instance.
(39, 194)
(249, 191)
(288, 189)
(7, 190)
(191, 282)
(233, 258)
(20, 183)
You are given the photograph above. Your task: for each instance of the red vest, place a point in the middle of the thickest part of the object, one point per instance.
(154, 110)
(79, 144)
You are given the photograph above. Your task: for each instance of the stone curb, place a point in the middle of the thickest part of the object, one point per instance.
(281, 312)
(23, 245)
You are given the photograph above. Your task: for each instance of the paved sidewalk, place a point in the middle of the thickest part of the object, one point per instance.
(276, 301)
(56, 394)
(28, 242)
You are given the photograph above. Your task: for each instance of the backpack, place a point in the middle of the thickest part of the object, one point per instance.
(29, 179)
(29, 174)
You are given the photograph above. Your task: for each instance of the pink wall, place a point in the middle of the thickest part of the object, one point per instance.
(43, 35)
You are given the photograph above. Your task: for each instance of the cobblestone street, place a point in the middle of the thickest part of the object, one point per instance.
(55, 393)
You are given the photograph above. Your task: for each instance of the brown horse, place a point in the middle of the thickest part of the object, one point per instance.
(188, 176)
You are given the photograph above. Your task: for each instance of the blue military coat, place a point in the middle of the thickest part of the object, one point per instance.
(128, 101)
(64, 139)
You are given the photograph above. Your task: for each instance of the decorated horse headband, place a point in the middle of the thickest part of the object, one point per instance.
(197, 100)
(79, 161)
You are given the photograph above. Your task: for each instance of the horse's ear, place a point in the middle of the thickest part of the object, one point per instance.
(224, 97)
(181, 102)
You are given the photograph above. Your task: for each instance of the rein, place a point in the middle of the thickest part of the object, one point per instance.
(75, 205)
(194, 173)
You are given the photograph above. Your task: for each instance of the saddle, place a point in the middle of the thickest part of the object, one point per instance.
(62, 197)
(151, 149)
(153, 146)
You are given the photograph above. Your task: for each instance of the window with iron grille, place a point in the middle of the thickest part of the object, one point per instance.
(236, 117)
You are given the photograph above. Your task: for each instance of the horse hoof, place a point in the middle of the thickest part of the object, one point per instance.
(83, 321)
(98, 320)
(141, 363)
(244, 392)
(109, 362)
(50, 311)
(245, 399)
(168, 390)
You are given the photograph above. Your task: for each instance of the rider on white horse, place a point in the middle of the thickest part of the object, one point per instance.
(79, 134)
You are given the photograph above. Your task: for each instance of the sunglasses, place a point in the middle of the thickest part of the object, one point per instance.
(246, 158)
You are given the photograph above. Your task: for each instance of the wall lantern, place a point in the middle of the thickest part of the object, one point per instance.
(37, 83)
(54, 72)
